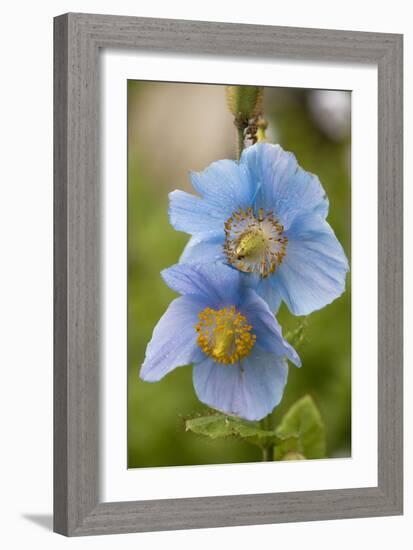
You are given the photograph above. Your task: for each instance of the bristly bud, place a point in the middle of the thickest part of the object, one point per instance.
(244, 102)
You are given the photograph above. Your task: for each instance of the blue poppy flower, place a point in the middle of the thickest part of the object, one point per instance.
(230, 336)
(266, 217)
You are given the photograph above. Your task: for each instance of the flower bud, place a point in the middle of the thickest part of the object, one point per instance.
(244, 102)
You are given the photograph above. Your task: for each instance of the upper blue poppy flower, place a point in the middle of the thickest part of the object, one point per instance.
(230, 336)
(266, 217)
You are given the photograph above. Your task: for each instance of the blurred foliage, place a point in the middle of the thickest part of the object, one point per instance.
(301, 432)
(299, 435)
(157, 412)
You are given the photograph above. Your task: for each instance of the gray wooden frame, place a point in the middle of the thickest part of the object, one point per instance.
(78, 40)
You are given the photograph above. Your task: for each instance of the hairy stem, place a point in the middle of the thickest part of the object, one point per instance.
(268, 450)
(268, 453)
(240, 141)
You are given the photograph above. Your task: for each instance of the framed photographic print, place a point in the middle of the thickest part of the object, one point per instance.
(228, 274)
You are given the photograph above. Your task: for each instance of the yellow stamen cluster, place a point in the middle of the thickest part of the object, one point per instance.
(224, 334)
(254, 243)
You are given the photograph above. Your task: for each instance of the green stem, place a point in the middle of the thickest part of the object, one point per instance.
(240, 141)
(268, 450)
(262, 125)
(268, 454)
(265, 423)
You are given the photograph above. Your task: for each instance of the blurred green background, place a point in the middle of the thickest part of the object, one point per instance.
(174, 128)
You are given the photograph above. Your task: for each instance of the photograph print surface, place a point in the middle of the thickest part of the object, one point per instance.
(239, 280)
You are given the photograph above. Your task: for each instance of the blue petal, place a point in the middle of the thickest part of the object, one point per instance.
(216, 282)
(313, 271)
(193, 215)
(284, 187)
(268, 292)
(174, 339)
(226, 185)
(266, 328)
(251, 391)
(264, 287)
(202, 251)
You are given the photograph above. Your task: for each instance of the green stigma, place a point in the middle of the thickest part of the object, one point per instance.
(251, 244)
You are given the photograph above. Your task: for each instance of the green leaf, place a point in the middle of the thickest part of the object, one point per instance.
(301, 431)
(296, 337)
(219, 425)
(299, 436)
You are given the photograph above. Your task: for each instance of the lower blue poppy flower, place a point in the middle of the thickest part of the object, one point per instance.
(229, 334)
